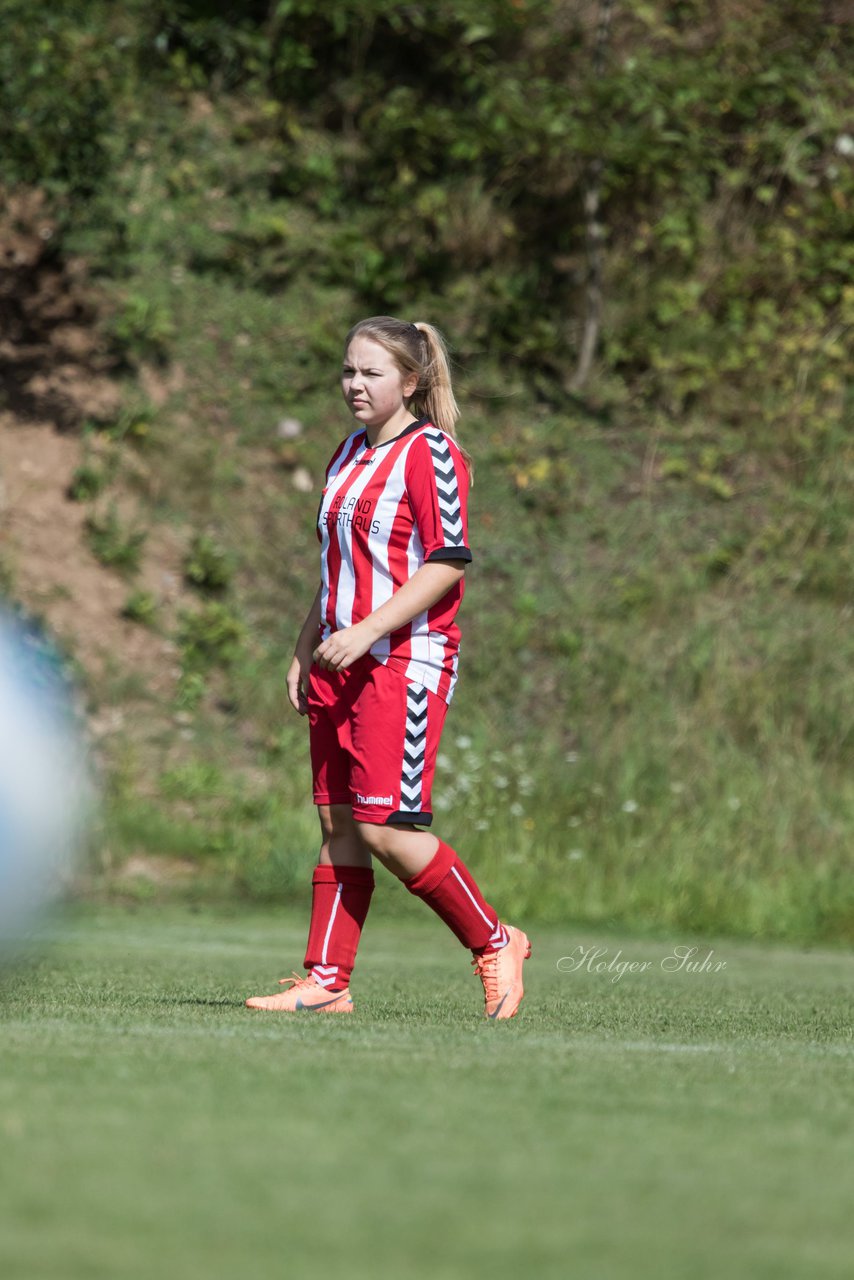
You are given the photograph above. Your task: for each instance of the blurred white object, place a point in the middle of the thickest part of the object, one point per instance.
(45, 795)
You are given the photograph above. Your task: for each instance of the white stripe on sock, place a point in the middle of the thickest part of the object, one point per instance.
(474, 902)
(331, 922)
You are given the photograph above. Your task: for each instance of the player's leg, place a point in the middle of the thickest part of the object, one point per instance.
(340, 842)
(435, 872)
(343, 879)
(445, 883)
(395, 730)
(342, 885)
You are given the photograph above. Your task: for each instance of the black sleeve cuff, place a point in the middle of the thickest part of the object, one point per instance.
(450, 553)
(422, 818)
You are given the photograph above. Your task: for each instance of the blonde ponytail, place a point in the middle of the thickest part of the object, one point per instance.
(434, 389)
(437, 399)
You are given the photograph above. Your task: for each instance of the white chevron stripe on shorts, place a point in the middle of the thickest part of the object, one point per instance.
(414, 748)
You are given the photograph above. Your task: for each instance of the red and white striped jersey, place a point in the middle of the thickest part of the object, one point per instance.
(385, 511)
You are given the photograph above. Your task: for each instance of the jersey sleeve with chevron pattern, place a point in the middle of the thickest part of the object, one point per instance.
(437, 485)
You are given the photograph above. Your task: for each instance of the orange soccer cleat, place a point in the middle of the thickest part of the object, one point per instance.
(304, 994)
(501, 975)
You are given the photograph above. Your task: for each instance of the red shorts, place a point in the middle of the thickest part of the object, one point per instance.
(374, 738)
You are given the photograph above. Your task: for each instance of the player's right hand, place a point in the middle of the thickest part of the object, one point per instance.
(295, 681)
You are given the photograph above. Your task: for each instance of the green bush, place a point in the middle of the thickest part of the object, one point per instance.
(133, 426)
(59, 74)
(140, 607)
(142, 329)
(115, 545)
(190, 691)
(210, 636)
(208, 567)
(445, 152)
(87, 482)
(452, 142)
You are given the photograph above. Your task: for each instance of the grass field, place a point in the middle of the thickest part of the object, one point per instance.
(659, 1124)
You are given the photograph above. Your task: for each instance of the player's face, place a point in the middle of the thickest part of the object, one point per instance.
(374, 388)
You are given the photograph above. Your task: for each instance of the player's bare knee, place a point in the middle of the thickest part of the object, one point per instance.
(324, 817)
(379, 839)
(335, 820)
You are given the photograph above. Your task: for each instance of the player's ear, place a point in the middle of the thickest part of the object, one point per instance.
(410, 382)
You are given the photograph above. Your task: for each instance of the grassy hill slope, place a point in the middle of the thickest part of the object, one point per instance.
(653, 724)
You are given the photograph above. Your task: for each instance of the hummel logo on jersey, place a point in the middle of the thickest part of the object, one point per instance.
(388, 801)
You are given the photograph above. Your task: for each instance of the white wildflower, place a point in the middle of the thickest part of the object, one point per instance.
(630, 806)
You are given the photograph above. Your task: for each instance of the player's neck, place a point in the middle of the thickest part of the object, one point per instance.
(392, 427)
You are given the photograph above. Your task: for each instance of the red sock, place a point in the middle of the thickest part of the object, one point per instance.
(447, 885)
(339, 903)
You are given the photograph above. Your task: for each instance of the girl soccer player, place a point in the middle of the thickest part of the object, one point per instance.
(376, 663)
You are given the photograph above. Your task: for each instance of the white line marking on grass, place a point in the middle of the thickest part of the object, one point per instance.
(659, 1046)
(187, 942)
(730, 1046)
(277, 1029)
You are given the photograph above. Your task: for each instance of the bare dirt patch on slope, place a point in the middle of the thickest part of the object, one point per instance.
(57, 577)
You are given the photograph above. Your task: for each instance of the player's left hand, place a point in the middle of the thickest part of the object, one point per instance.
(340, 650)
